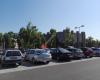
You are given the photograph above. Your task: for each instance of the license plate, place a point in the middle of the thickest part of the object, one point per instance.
(13, 58)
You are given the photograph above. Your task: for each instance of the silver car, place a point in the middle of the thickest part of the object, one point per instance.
(38, 55)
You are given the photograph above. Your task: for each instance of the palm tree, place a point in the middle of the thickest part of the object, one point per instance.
(68, 37)
(51, 42)
(30, 36)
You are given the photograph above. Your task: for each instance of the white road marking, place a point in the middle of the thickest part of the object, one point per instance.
(22, 68)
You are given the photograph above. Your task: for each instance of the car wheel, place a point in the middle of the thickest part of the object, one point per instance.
(68, 59)
(58, 58)
(91, 56)
(2, 64)
(47, 62)
(20, 63)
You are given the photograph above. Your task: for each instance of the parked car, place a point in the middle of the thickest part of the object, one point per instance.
(1, 52)
(61, 54)
(77, 53)
(88, 52)
(38, 55)
(47, 49)
(11, 57)
(96, 52)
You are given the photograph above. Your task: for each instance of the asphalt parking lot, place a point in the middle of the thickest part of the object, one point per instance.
(28, 66)
(85, 69)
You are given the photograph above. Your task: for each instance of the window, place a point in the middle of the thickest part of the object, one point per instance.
(13, 53)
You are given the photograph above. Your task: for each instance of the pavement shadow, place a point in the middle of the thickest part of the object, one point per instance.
(24, 64)
(8, 66)
(29, 64)
(61, 61)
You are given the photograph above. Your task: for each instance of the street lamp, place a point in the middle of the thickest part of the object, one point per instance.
(79, 27)
(78, 35)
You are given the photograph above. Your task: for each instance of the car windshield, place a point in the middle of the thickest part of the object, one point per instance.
(72, 50)
(64, 50)
(95, 49)
(31, 51)
(79, 50)
(13, 53)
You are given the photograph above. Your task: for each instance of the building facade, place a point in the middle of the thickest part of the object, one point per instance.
(79, 39)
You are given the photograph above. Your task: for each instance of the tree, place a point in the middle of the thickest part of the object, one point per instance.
(9, 39)
(68, 37)
(72, 38)
(90, 42)
(52, 39)
(29, 37)
(1, 39)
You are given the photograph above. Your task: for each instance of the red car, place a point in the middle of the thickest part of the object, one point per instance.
(88, 52)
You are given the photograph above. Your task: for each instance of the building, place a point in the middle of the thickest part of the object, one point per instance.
(60, 36)
(78, 38)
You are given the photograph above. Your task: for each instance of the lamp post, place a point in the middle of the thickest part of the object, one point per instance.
(78, 35)
(79, 27)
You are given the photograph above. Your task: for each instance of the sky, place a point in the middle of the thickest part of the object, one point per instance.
(47, 14)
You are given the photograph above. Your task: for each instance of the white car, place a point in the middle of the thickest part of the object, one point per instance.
(11, 57)
(38, 55)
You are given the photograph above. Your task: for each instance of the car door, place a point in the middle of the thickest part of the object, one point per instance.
(54, 54)
(58, 53)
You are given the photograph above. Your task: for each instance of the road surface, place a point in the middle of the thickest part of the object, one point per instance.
(80, 70)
